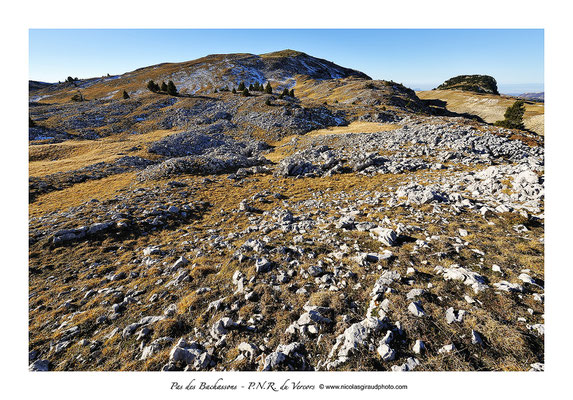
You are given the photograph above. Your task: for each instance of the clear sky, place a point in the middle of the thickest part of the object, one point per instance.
(418, 58)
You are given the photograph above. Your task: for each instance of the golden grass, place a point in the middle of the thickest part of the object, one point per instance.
(48, 159)
(487, 106)
(101, 189)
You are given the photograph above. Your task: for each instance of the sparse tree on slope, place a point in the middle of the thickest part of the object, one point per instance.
(163, 87)
(125, 95)
(268, 88)
(513, 116)
(152, 86)
(171, 89)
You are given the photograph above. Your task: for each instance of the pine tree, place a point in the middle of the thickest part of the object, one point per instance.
(241, 86)
(291, 93)
(268, 101)
(152, 86)
(234, 91)
(257, 87)
(245, 92)
(171, 89)
(251, 87)
(268, 88)
(163, 87)
(285, 92)
(125, 95)
(513, 116)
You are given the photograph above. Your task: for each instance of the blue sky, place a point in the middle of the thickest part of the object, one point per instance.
(420, 59)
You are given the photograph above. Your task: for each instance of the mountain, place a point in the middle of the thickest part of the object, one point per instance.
(471, 83)
(346, 226)
(489, 107)
(36, 85)
(540, 96)
(204, 75)
(206, 84)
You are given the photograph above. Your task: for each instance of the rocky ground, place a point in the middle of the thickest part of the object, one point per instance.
(417, 245)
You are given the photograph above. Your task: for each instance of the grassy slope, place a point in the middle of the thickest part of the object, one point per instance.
(487, 106)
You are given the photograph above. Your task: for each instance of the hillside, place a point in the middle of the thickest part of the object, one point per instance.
(540, 96)
(344, 228)
(489, 107)
(471, 83)
(205, 75)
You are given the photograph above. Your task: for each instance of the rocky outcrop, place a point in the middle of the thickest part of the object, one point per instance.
(471, 83)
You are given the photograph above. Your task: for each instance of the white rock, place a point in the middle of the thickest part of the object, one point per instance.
(419, 347)
(416, 309)
(476, 338)
(447, 348)
(386, 353)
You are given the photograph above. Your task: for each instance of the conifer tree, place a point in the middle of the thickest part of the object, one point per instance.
(251, 87)
(513, 116)
(152, 86)
(171, 89)
(125, 95)
(234, 91)
(291, 93)
(285, 92)
(241, 86)
(268, 88)
(163, 87)
(245, 92)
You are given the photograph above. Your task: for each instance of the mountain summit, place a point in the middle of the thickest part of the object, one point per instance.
(471, 83)
(217, 71)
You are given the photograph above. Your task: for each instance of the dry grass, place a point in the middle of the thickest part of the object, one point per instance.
(102, 189)
(487, 106)
(70, 155)
(287, 145)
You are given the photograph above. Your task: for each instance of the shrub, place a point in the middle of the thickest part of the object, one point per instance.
(78, 96)
(268, 101)
(513, 116)
(234, 91)
(153, 87)
(171, 89)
